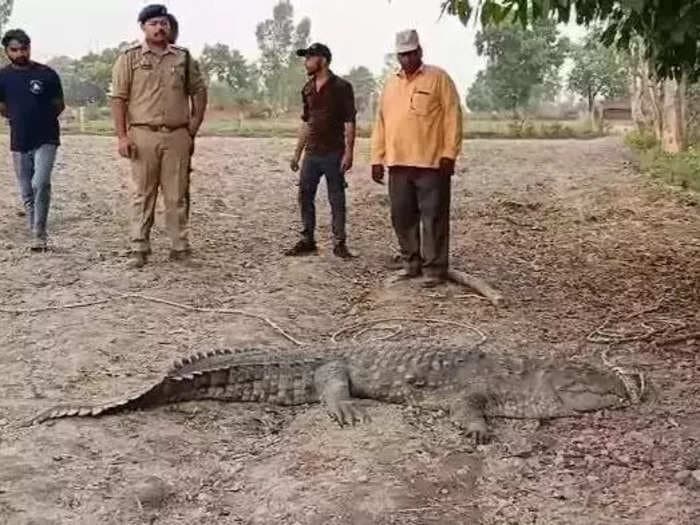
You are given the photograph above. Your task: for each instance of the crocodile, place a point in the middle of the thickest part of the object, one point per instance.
(471, 385)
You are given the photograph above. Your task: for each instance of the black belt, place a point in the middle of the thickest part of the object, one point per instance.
(163, 128)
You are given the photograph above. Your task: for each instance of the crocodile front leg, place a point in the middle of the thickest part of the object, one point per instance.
(332, 383)
(468, 414)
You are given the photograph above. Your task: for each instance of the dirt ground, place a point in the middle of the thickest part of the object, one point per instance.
(588, 252)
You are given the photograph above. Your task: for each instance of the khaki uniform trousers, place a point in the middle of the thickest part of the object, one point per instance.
(161, 161)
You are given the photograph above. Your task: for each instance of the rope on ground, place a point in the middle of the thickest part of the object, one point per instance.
(147, 298)
(395, 330)
(369, 325)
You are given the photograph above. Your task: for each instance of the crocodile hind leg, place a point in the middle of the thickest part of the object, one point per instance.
(332, 383)
(468, 414)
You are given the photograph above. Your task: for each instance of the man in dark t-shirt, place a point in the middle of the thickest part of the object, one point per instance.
(31, 98)
(328, 137)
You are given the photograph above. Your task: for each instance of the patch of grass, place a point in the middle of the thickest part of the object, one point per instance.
(680, 169)
(641, 140)
(219, 123)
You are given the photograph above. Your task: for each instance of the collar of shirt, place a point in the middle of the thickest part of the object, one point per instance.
(145, 49)
(402, 74)
(312, 82)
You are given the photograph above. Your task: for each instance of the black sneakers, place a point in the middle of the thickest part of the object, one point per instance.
(303, 247)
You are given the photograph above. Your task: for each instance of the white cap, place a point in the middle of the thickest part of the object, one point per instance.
(407, 41)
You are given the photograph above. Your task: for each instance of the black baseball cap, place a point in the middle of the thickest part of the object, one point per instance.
(315, 50)
(152, 11)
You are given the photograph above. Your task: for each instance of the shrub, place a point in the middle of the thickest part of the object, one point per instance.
(641, 140)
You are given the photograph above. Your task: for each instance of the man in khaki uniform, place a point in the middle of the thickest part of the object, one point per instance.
(152, 84)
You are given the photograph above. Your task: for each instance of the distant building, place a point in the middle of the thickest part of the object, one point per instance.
(619, 109)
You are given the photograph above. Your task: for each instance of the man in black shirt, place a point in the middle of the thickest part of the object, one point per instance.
(328, 137)
(31, 97)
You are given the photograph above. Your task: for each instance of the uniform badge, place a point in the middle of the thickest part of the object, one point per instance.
(36, 87)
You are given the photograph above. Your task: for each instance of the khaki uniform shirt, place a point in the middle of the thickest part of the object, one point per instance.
(419, 120)
(153, 85)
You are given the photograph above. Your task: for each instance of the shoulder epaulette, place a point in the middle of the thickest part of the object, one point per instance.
(132, 47)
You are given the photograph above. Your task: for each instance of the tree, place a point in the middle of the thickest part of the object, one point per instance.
(281, 74)
(666, 34)
(670, 29)
(597, 71)
(229, 66)
(480, 96)
(96, 68)
(5, 12)
(77, 90)
(519, 59)
(365, 87)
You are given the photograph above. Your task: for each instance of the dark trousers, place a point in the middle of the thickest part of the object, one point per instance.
(313, 168)
(420, 207)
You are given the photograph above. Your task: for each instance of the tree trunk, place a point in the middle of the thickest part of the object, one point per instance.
(591, 108)
(674, 127)
(656, 96)
(637, 101)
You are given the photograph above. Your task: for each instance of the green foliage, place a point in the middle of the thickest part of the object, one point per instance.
(228, 66)
(670, 29)
(681, 169)
(641, 140)
(597, 71)
(281, 72)
(87, 79)
(5, 12)
(365, 87)
(97, 67)
(77, 89)
(519, 59)
(480, 95)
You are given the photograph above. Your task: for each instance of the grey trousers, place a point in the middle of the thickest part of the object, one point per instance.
(33, 170)
(420, 210)
(313, 168)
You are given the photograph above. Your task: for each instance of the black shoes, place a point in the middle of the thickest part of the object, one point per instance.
(180, 255)
(307, 247)
(138, 260)
(303, 247)
(341, 250)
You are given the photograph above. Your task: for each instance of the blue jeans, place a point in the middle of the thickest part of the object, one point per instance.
(313, 169)
(33, 170)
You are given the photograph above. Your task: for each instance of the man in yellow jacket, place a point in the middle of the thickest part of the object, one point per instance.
(418, 136)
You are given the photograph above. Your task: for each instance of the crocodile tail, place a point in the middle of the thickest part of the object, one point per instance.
(141, 400)
(180, 364)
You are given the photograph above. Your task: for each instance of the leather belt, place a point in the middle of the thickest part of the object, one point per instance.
(165, 129)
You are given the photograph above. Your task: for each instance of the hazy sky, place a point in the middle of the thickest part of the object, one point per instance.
(359, 32)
